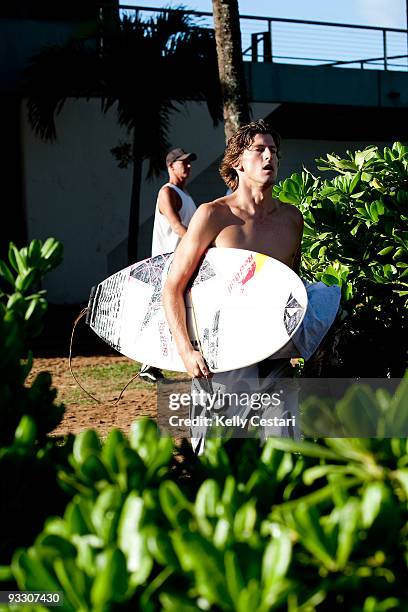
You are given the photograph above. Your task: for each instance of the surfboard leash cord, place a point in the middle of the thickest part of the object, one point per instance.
(82, 314)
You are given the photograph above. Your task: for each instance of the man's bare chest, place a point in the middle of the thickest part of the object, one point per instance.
(277, 238)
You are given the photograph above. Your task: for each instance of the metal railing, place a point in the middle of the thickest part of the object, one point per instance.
(312, 43)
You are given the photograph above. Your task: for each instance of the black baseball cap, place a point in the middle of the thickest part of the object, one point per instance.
(179, 155)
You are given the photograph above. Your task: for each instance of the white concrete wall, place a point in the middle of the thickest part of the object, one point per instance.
(76, 192)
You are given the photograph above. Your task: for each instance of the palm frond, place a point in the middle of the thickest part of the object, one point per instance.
(168, 25)
(156, 142)
(146, 70)
(198, 80)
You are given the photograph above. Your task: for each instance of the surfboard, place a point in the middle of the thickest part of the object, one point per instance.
(241, 307)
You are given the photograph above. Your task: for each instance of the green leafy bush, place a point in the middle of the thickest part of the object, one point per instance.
(22, 308)
(27, 412)
(287, 526)
(102, 549)
(361, 412)
(356, 235)
(291, 525)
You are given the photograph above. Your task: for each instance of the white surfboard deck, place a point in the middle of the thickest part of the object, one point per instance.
(247, 306)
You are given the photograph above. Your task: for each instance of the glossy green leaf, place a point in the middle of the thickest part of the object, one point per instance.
(34, 253)
(144, 438)
(198, 556)
(111, 580)
(6, 273)
(359, 412)
(233, 576)
(159, 546)
(31, 574)
(347, 538)
(110, 448)
(78, 516)
(207, 499)
(250, 597)
(276, 559)
(162, 458)
(132, 540)
(73, 581)
(175, 505)
(26, 432)
(176, 603)
(371, 502)
(402, 476)
(17, 259)
(245, 521)
(305, 448)
(305, 519)
(86, 442)
(396, 416)
(386, 250)
(106, 512)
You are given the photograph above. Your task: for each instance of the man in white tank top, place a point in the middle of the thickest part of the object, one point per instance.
(174, 209)
(174, 206)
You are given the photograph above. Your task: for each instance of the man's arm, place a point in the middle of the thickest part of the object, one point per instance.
(298, 256)
(202, 230)
(169, 203)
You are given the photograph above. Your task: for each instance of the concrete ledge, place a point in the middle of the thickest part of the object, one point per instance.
(270, 82)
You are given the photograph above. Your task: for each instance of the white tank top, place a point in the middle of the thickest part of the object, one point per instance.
(164, 239)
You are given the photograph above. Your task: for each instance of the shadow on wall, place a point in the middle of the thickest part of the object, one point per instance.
(205, 187)
(208, 185)
(116, 259)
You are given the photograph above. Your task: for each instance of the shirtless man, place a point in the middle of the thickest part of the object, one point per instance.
(250, 218)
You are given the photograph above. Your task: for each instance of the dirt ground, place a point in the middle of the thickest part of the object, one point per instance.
(80, 411)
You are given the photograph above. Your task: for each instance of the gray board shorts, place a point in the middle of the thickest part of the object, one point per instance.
(322, 308)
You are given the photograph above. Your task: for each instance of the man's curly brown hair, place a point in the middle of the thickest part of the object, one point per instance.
(241, 140)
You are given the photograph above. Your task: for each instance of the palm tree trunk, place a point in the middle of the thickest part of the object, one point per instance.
(230, 65)
(134, 214)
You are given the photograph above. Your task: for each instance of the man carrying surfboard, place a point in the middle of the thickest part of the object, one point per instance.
(174, 210)
(248, 218)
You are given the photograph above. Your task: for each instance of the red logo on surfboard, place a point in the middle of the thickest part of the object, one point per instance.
(244, 274)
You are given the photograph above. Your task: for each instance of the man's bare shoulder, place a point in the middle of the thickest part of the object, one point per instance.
(169, 193)
(168, 190)
(168, 198)
(292, 212)
(214, 209)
